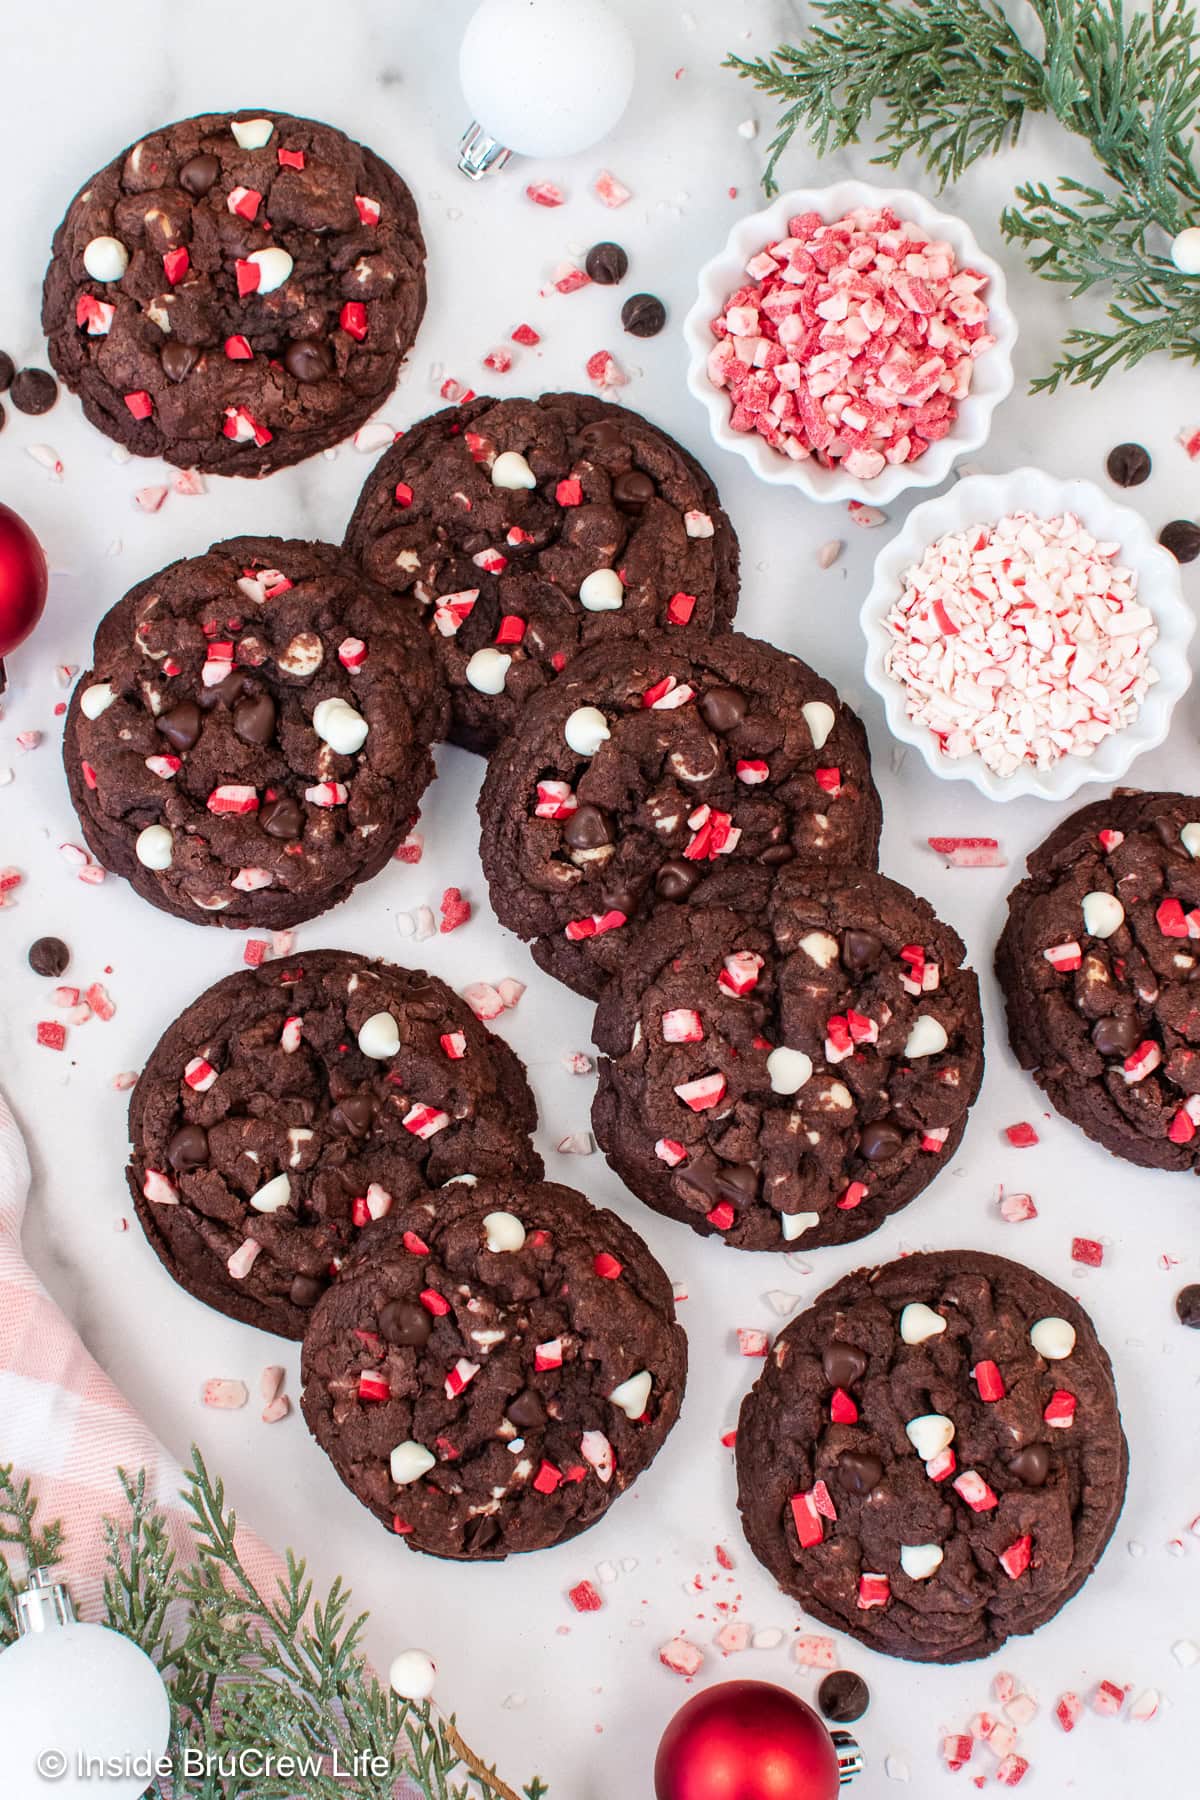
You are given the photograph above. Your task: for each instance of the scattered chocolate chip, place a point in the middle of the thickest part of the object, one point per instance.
(1031, 1465)
(254, 719)
(180, 726)
(723, 708)
(632, 490)
(353, 1115)
(33, 391)
(178, 360)
(843, 1696)
(607, 264)
(308, 359)
(844, 1364)
(1116, 1036)
(676, 879)
(1187, 1305)
(1128, 465)
(643, 315)
(526, 1411)
(8, 369)
(49, 956)
(188, 1149)
(306, 1290)
(880, 1139)
(587, 829)
(197, 175)
(861, 950)
(282, 818)
(602, 435)
(1182, 538)
(858, 1472)
(405, 1323)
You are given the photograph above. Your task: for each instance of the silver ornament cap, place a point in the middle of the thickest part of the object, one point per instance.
(850, 1758)
(45, 1605)
(479, 152)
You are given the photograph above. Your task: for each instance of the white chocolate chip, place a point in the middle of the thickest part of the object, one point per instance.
(1053, 1338)
(105, 259)
(633, 1396)
(298, 1136)
(412, 1675)
(510, 470)
(379, 1037)
(788, 1070)
(96, 699)
(918, 1322)
(338, 725)
(503, 1231)
(1189, 837)
(303, 655)
(273, 1195)
(820, 719)
(252, 134)
(927, 1037)
(409, 1461)
(1102, 914)
(920, 1561)
(155, 847)
(586, 730)
(821, 947)
(274, 268)
(794, 1225)
(930, 1434)
(487, 671)
(602, 591)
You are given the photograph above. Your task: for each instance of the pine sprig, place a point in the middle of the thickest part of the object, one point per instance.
(248, 1672)
(954, 83)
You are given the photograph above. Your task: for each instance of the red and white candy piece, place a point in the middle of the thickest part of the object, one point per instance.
(327, 793)
(989, 1381)
(680, 1025)
(1059, 1412)
(873, 1590)
(671, 1152)
(233, 797)
(809, 1528)
(1017, 1558)
(930, 1434)
(424, 1121)
(703, 1092)
(555, 800)
(740, 972)
(1141, 1062)
(199, 1075)
(681, 1656)
(596, 1450)
(1053, 1338)
(1064, 957)
(409, 1461)
(158, 1190)
(633, 1395)
(971, 1487)
(460, 1377)
(243, 1259)
(452, 609)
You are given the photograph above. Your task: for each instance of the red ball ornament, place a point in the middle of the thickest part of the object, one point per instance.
(748, 1740)
(22, 582)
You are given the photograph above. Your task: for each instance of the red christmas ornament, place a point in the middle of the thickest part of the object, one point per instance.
(22, 582)
(750, 1740)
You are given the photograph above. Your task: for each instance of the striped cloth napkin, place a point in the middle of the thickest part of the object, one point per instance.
(68, 1428)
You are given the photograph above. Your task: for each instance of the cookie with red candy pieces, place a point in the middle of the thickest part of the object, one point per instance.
(253, 737)
(523, 531)
(1098, 963)
(932, 1459)
(496, 1365)
(789, 1061)
(653, 764)
(293, 1105)
(235, 292)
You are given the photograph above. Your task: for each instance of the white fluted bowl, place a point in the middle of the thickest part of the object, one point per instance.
(991, 382)
(981, 499)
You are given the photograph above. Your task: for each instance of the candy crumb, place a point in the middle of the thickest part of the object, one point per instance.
(584, 1598)
(270, 1382)
(278, 1409)
(228, 1396)
(681, 1655)
(1021, 1136)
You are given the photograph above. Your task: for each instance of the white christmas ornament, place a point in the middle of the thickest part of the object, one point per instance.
(412, 1675)
(541, 78)
(72, 1695)
(1185, 251)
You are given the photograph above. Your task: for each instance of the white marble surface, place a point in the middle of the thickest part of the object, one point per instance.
(581, 1699)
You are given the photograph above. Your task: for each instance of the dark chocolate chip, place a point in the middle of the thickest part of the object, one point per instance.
(643, 315)
(198, 174)
(775, 855)
(178, 360)
(676, 879)
(306, 1290)
(308, 359)
(632, 490)
(481, 1532)
(49, 956)
(587, 829)
(843, 1696)
(188, 1149)
(254, 719)
(526, 1410)
(602, 435)
(861, 951)
(880, 1139)
(405, 1323)
(354, 1115)
(1128, 465)
(1116, 1036)
(1031, 1465)
(607, 263)
(282, 818)
(1182, 538)
(723, 708)
(844, 1364)
(33, 391)
(736, 1183)
(8, 369)
(180, 726)
(1187, 1305)
(859, 1472)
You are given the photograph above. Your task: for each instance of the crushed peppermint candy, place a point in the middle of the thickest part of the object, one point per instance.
(1021, 641)
(852, 341)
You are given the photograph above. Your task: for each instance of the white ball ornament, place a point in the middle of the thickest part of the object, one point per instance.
(1185, 251)
(73, 1695)
(542, 78)
(412, 1675)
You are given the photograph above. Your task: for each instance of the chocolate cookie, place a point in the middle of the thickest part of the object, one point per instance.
(1101, 975)
(293, 1104)
(648, 767)
(791, 1061)
(932, 1458)
(253, 738)
(235, 293)
(495, 1365)
(522, 531)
